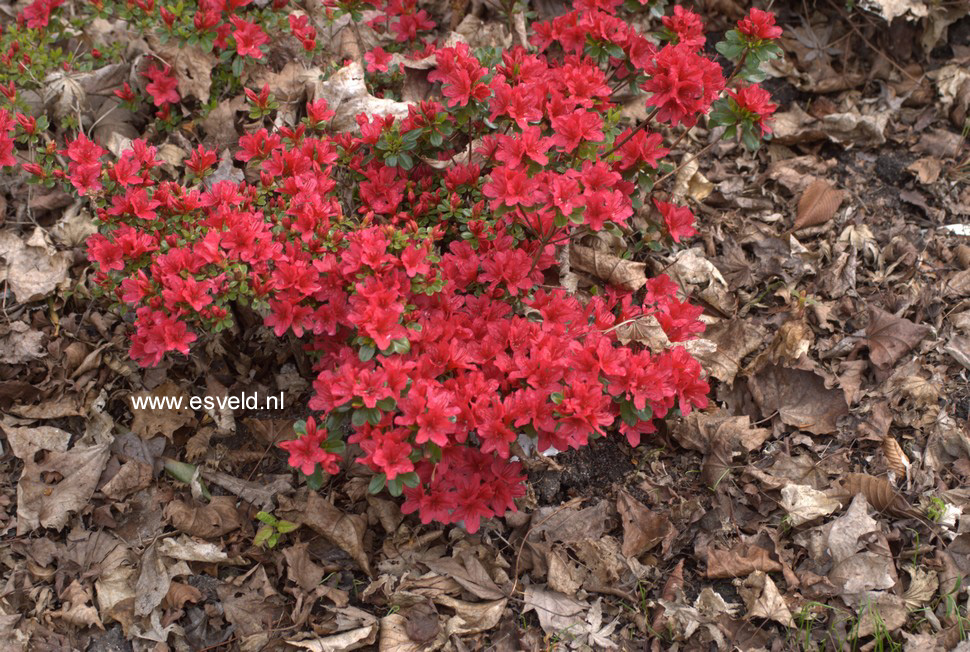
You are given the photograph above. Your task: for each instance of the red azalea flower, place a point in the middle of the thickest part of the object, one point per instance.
(683, 84)
(759, 25)
(377, 60)
(679, 219)
(756, 102)
(687, 26)
(163, 85)
(249, 38)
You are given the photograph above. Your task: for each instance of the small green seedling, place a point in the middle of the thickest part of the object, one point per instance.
(936, 510)
(272, 530)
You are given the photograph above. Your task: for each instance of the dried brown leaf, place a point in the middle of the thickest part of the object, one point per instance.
(132, 476)
(76, 607)
(890, 337)
(607, 267)
(642, 528)
(32, 269)
(762, 599)
(217, 518)
(673, 586)
(422, 623)
(61, 483)
(180, 593)
(740, 561)
(799, 397)
(818, 204)
(879, 493)
(896, 458)
(300, 569)
(345, 531)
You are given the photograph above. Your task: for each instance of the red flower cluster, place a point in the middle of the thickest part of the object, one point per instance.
(415, 279)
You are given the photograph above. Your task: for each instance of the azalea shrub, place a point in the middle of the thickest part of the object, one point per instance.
(418, 259)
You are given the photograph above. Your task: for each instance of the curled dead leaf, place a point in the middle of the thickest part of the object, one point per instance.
(880, 494)
(740, 561)
(896, 458)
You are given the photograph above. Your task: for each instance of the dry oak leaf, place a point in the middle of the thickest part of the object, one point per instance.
(817, 205)
(208, 521)
(890, 337)
(642, 528)
(740, 561)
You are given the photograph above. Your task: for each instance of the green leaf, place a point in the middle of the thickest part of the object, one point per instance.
(366, 352)
(645, 414)
(334, 445)
(285, 527)
(315, 480)
(395, 487)
(629, 414)
(263, 535)
(359, 418)
(266, 517)
(387, 404)
(751, 139)
(376, 484)
(410, 479)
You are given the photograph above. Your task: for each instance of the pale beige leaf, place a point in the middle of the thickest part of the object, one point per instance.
(33, 269)
(922, 587)
(804, 504)
(762, 599)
